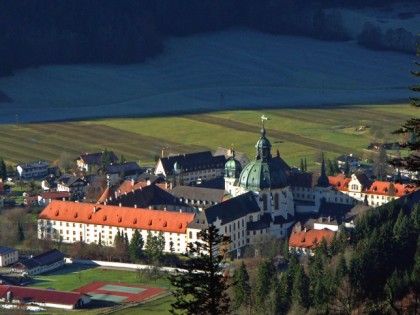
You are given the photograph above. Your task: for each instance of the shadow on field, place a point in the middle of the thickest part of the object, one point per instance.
(69, 268)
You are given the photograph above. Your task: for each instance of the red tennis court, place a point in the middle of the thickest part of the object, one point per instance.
(118, 292)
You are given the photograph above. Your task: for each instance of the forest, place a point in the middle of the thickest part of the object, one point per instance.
(108, 31)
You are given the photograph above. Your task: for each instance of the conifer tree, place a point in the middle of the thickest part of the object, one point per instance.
(136, 246)
(3, 169)
(241, 287)
(266, 274)
(201, 287)
(412, 128)
(300, 291)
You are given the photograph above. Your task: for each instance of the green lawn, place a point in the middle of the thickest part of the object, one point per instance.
(71, 277)
(297, 133)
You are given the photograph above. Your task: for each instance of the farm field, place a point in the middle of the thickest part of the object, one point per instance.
(296, 133)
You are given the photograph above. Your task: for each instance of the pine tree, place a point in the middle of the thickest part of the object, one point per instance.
(266, 274)
(411, 127)
(241, 287)
(136, 246)
(3, 169)
(302, 166)
(201, 287)
(300, 291)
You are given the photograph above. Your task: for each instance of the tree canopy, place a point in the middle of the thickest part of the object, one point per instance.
(200, 287)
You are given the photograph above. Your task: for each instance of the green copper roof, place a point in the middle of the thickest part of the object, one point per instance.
(259, 175)
(264, 172)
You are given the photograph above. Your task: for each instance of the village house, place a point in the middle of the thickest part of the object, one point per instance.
(8, 256)
(304, 241)
(32, 169)
(72, 184)
(123, 171)
(89, 161)
(373, 193)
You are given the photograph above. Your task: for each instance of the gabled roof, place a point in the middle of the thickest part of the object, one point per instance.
(41, 295)
(43, 259)
(39, 164)
(127, 167)
(5, 250)
(192, 162)
(96, 158)
(198, 193)
(136, 218)
(68, 180)
(140, 195)
(232, 209)
(309, 238)
(339, 182)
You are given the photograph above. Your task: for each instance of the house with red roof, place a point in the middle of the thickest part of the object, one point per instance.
(95, 223)
(304, 241)
(373, 193)
(42, 297)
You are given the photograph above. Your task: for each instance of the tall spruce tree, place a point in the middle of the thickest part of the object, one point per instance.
(200, 287)
(136, 247)
(266, 275)
(411, 128)
(241, 287)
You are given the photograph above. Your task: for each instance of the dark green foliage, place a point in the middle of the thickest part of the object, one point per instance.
(155, 244)
(3, 169)
(302, 165)
(300, 291)
(346, 169)
(265, 281)
(330, 168)
(241, 287)
(412, 128)
(201, 288)
(136, 247)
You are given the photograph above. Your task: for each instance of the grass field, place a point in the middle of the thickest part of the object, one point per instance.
(72, 277)
(297, 133)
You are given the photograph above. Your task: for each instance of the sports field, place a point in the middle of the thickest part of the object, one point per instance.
(119, 293)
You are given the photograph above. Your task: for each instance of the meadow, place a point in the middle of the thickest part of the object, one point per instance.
(296, 133)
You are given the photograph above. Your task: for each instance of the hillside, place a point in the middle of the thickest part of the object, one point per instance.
(226, 70)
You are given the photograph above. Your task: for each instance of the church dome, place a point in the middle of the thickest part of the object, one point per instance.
(233, 167)
(264, 172)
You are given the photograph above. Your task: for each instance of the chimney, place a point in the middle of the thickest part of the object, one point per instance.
(132, 182)
(119, 204)
(135, 206)
(180, 210)
(94, 209)
(329, 219)
(148, 182)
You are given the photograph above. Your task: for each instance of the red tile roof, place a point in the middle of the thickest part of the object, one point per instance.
(136, 218)
(41, 295)
(309, 238)
(340, 182)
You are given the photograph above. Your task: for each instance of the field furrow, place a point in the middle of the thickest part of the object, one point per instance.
(274, 134)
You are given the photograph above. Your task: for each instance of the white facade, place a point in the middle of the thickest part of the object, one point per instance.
(9, 256)
(31, 170)
(71, 232)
